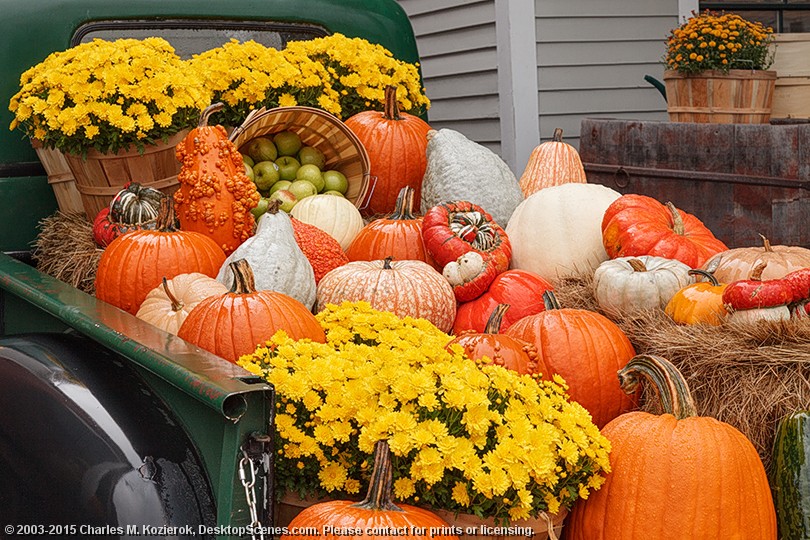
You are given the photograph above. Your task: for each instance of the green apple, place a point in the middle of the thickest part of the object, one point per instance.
(261, 149)
(266, 174)
(286, 198)
(249, 172)
(335, 180)
(311, 174)
(333, 192)
(287, 167)
(302, 189)
(248, 160)
(260, 208)
(311, 155)
(288, 143)
(281, 184)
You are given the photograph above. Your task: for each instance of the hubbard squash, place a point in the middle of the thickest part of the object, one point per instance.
(459, 169)
(215, 195)
(790, 475)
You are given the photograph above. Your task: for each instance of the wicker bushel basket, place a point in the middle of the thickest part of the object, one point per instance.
(100, 176)
(343, 150)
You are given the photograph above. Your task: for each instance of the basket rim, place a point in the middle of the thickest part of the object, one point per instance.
(258, 114)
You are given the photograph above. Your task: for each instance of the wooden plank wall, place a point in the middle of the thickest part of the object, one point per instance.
(592, 57)
(457, 45)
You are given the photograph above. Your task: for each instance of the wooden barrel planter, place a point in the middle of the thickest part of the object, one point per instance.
(100, 176)
(737, 97)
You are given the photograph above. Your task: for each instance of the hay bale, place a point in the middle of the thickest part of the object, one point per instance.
(746, 375)
(65, 250)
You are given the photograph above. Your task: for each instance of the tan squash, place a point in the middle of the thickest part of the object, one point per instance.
(736, 264)
(167, 305)
(550, 164)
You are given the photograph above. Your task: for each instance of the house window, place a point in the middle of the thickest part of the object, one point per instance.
(784, 16)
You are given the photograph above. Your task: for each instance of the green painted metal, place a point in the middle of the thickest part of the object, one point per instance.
(30, 36)
(219, 403)
(29, 200)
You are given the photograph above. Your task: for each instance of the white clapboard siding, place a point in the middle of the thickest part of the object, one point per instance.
(592, 57)
(458, 51)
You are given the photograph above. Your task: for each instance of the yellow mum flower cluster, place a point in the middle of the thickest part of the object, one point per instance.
(338, 74)
(719, 41)
(465, 436)
(108, 95)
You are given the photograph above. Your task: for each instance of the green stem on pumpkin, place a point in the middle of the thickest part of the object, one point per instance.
(403, 208)
(550, 300)
(708, 275)
(177, 305)
(243, 280)
(677, 220)
(495, 319)
(391, 111)
(668, 383)
(379, 496)
(206, 114)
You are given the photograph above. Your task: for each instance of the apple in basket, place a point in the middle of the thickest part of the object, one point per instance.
(261, 149)
(288, 143)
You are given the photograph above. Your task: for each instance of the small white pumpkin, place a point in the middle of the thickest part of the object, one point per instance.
(465, 269)
(629, 285)
(167, 305)
(750, 316)
(278, 263)
(459, 169)
(557, 231)
(336, 216)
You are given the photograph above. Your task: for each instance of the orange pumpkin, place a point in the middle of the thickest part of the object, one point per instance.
(406, 288)
(321, 250)
(135, 263)
(738, 263)
(215, 195)
(397, 235)
(677, 475)
(636, 225)
(700, 302)
(397, 148)
(586, 349)
(374, 516)
(233, 324)
(503, 350)
(550, 164)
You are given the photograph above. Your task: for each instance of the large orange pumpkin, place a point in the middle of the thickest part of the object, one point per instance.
(636, 225)
(503, 350)
(397, 235)
(677, 475)
(586, 349)
(376, 517)
(215, 195)
(396, 143)
(233, 324)
(135, 263)
(552, 163)
(406, 288)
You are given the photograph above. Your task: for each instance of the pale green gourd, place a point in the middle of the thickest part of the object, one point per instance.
(459, 169)
(278, 263)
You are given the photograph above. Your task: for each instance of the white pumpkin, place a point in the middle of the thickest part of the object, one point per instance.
(334, 215)
(557, 231)
(167, 305)
(459, 169)
(750, 316)
(278, 263)
(628, 285)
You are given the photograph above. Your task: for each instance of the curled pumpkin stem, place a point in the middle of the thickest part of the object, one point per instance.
(708, 275)
(669, 385)
(177, 305)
